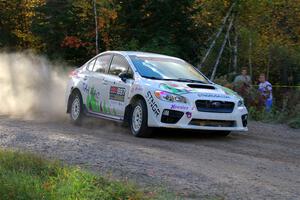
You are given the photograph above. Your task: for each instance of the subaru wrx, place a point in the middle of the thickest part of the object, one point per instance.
(148, 90)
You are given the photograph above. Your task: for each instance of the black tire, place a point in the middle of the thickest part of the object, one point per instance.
(222, 133)
(143, 130)
(76, 114)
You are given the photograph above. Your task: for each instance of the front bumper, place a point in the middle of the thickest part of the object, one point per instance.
(188, 117)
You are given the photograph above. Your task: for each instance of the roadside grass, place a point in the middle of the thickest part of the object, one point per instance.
(27, 176)
(276, 116)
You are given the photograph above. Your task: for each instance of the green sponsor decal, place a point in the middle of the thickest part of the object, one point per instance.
(97, 105)
(92, 102)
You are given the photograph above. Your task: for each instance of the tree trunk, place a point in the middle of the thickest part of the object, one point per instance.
(230, 55)
(269, 63)
(221, 50)
(217, 35)
(235, 51)
(250, 57)
(96, 26)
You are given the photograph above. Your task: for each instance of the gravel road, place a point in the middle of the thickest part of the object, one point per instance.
(263, 163)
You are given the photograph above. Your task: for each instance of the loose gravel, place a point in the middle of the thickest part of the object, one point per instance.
(263, 163)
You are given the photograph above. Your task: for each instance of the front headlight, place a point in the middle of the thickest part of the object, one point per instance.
(240, 103)
(166, 96)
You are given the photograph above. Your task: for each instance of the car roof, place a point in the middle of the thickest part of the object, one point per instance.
(140, 53)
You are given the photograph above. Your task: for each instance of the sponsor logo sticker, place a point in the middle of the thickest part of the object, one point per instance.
(213, 95)
(179, 107)
(188, 115)
(85, 87)
(152, 103)
(117, 93)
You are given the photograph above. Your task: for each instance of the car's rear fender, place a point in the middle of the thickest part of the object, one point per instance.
(73, 90)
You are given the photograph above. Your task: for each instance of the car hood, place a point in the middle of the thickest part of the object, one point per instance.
(204, 91)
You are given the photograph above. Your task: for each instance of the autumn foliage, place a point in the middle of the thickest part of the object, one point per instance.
(74, 42)
(266, 32)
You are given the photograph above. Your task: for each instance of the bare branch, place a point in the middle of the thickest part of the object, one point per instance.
(96, 26)
(217, 35)
(235, 50)
(222, 49)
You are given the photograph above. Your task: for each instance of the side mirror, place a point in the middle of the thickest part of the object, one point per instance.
(124, 76)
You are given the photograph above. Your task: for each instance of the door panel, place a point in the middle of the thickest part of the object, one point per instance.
(118, 94)
(97, 88)
(95, 93)
(85, 77)
(117, 89)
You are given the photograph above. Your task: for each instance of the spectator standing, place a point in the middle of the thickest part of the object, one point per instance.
(265, 89)
(243, 78)
(242, 85)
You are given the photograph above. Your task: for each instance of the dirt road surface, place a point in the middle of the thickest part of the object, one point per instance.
(263, 163)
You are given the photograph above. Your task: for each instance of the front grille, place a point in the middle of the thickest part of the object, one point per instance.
(212, 123)
(214, 106)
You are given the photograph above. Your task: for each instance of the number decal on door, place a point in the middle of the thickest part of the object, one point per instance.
(117, 93)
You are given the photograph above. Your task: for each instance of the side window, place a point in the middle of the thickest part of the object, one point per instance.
(91, 65)
(118, 65)
(102, 64)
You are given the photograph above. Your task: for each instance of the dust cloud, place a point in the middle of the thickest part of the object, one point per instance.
(31, 87)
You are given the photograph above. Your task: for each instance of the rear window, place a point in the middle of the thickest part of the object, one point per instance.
(102, 64)
(90, 65)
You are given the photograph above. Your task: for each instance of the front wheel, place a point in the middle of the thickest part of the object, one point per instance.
(139, 120)
(76, 111)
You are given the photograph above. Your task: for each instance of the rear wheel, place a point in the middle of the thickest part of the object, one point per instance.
(139, 120)
(76, 111)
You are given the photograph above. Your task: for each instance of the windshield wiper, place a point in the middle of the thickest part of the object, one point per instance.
(152, 77)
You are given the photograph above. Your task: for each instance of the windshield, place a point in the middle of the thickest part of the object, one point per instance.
(166, 69)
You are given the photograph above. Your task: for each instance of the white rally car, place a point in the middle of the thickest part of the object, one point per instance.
(150, 90)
